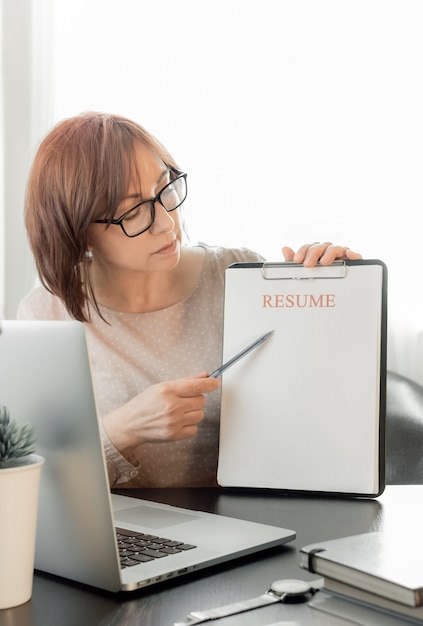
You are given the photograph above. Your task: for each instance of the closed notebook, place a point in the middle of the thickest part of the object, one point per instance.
(381, 563)
(348, 592)
(330, 610)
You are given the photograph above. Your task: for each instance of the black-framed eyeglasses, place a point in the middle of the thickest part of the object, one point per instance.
(140, 218)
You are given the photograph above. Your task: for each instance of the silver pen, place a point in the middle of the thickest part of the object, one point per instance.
(238, 356)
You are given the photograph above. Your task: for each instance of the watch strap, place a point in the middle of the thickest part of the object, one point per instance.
(198, 617)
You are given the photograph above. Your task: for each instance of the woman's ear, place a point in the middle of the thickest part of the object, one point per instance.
(89, 244)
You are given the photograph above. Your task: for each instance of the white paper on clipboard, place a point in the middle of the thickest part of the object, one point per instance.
(306, 410)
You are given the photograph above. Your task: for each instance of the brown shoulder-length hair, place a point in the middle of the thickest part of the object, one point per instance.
(80, 173)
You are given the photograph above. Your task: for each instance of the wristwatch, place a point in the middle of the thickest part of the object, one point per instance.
(279, 591)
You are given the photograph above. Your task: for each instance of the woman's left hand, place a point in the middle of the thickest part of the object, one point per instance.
(324, 253)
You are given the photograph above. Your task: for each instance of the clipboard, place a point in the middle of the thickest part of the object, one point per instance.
(305, 412)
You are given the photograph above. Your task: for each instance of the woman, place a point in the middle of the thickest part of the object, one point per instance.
(103, 219)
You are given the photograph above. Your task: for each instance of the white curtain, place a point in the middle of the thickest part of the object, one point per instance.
(2, 212)
(296, 120)
(26, 46)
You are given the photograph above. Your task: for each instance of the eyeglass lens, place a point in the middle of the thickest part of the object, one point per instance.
(141, 217)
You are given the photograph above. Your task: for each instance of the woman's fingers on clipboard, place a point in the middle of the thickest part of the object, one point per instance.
(325, 253)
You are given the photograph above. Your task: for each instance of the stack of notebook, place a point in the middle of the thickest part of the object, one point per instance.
(369, 579)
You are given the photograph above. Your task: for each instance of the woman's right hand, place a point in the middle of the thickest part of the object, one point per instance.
(166, 411)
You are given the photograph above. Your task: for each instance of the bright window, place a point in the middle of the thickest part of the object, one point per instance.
(296, 120)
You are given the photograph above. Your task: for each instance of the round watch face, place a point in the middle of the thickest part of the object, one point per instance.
(290, 586)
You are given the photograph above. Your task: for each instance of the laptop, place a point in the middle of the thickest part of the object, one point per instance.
(82, 527)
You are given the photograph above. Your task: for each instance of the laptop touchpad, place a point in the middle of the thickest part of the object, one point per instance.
(152, 517)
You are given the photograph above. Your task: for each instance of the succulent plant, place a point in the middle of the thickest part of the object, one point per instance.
(16, 441)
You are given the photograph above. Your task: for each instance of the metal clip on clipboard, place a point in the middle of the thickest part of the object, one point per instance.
(297, 271)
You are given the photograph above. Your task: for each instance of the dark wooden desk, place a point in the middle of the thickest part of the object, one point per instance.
(61, 603)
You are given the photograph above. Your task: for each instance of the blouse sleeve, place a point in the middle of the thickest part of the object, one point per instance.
(119, 469)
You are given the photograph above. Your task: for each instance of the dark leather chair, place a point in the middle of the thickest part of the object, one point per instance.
(404, 431)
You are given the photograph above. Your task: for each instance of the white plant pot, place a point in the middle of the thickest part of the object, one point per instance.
(19, 489)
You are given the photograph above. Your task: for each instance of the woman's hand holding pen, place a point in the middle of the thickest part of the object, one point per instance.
(166, 411)
(324, 253)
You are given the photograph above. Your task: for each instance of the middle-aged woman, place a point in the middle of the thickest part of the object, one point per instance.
(103, 215)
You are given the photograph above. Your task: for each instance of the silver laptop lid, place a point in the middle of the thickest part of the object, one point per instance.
(54, 393)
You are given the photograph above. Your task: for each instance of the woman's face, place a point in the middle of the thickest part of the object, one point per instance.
(156, 249)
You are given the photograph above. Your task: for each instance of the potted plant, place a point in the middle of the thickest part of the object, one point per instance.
(20, 469)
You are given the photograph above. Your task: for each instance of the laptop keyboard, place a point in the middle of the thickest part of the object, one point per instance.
(135, 548)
